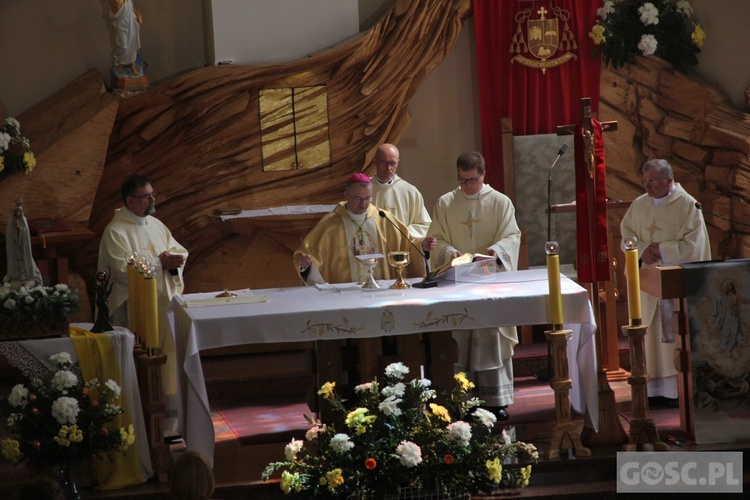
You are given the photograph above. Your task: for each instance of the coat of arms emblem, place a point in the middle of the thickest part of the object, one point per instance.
(545, 39)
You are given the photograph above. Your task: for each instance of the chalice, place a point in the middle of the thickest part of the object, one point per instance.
(399, 260)
(369, 263)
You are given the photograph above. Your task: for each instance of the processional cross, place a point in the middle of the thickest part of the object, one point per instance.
(592, 253)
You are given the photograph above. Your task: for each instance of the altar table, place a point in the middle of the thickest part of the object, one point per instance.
(31, 357)
(329, 312)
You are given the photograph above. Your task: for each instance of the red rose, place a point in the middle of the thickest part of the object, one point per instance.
(370, 464)
(449, 459)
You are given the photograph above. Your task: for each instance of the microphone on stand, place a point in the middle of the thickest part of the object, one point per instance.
(548, 376)
(562, 151)
(428, 281)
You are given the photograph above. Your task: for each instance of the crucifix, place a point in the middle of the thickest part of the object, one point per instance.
(593, 257)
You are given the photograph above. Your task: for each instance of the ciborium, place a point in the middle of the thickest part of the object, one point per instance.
(399, 260)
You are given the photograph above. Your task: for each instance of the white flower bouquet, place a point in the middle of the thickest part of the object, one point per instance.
(61, 419)
(664, 28)
(395, 436)
(15, 151)
(38, 303)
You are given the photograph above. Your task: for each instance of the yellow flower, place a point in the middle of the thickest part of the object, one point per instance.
(494, 470)
(526, 474)
(127, 437)
(2, 163)
(68, 434)
(334, 479)
(698, 36)
(327, 390)
(597, 34)
(10, 451)
(359, 420)
(287, 480)
(29, 161)
(440, 411)
(466, 384)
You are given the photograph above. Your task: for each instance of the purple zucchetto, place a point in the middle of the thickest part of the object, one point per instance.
(357, 178)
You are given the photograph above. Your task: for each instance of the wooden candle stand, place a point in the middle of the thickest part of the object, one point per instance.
(643, 434)
(564, 432)
(154, 410)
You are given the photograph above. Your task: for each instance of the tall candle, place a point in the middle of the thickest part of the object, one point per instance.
(150, 312)
(553, 277)
(132, 274)
(139, 298)
(634, 280)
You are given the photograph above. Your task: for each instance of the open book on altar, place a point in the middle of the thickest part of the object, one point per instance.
(466, 265)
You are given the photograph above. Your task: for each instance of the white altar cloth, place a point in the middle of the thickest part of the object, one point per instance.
(31, 357)
(347, 311)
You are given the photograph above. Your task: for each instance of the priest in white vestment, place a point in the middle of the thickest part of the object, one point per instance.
(355, 227)
(134, 229)
(475, 218)
(392, 193)
(669, 225)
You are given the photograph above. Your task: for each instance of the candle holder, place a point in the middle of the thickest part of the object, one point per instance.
(399, 260)
(643, 434)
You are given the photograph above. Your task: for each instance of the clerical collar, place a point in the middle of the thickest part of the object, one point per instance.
(474, 196)
(660, 202)
(382, 181)
(357, 218)
(140, 220)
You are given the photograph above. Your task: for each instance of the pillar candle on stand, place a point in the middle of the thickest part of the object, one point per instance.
(150, 310)
(139, 291)
(132, 274)
(634, 280)
(553, 277)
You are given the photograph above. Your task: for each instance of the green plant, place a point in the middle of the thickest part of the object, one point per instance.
(664, 28)
(394, 436)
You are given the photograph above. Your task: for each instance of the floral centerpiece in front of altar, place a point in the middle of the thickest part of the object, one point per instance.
(664, 28)
(395, 437)
(15, 151)
(61, 419)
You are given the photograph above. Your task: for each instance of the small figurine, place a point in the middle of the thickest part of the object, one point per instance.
(22, 270)
(103, 289)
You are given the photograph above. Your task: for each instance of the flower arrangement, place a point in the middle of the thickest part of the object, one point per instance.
(395, 437)
(15, 151)
(664, 28)
(61, 419)
(38, 303)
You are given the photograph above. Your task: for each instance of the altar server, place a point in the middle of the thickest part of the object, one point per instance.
(392, 193)
(475, 218)
(669, 225)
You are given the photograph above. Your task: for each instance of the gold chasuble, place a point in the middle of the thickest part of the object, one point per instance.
(97, 359)
(339, 236)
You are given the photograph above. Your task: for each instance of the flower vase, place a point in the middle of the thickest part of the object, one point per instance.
(68, 485)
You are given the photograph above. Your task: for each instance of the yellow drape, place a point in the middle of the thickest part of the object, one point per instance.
(97, 359)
